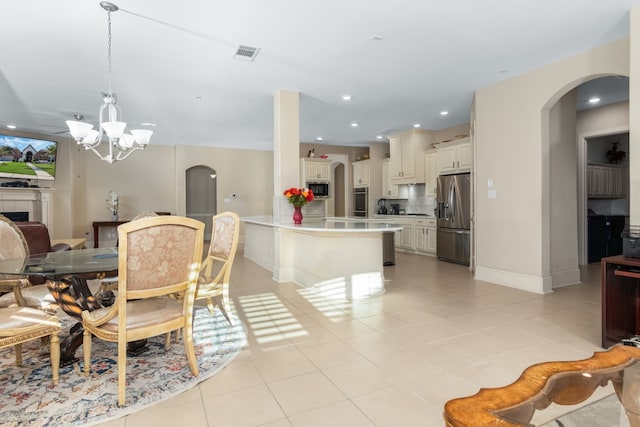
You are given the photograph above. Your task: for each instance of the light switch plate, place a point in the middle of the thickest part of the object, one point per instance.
(492, 194)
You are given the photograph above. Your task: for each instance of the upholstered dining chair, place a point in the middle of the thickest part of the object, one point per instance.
(18, 290)
(158, 258)
(215, 272)
(21, 324)
(111, 283)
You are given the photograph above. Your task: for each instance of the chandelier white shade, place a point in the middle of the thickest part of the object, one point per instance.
(111, 128)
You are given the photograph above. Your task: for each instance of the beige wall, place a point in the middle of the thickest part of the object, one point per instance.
(151, 180)
(510, 141)
(634, 111)
(561, 186)
(613, 116)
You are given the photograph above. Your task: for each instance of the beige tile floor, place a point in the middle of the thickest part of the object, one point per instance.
(392, 360)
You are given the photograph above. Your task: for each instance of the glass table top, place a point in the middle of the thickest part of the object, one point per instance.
(101, 260)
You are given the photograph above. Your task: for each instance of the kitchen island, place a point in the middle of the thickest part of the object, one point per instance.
(336, 257)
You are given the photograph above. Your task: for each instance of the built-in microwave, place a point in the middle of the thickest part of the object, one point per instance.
(320, 189)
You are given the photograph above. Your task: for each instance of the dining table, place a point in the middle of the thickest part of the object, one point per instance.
(57, 269)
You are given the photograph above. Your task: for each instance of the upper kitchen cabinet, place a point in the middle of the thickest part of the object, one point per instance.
(316, 170)
(361, 172)
(607, 181)
(431, 171)
(407, 156)
(455, 156)
(389, 189)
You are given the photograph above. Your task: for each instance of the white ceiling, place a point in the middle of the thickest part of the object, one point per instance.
(173, 64)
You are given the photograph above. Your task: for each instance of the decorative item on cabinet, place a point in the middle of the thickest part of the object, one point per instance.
(614, 155)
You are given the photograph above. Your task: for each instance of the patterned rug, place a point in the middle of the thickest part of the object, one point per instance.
(30, 399)
(604, 412)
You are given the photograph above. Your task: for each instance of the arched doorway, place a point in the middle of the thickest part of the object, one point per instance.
(565, 183)
(201, 192)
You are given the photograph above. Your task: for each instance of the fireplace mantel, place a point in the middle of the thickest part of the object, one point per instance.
(37, 201)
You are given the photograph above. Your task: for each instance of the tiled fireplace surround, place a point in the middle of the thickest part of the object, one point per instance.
(37, 201)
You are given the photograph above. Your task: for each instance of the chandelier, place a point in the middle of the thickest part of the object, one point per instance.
(111, 129)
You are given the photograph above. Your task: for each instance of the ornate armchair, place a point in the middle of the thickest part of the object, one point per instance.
(17, 289)
(158, 258)
(213, 282)
(21, 324)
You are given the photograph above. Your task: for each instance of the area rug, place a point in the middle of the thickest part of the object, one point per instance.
(604, 412)
(30, 399)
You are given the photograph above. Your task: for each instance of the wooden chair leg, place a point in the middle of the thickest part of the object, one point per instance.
(54, 354)
(190, 350)
(86, 349)
(18, 350)
(122, 372)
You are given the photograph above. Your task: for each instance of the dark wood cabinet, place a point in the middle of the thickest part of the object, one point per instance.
(620, 299)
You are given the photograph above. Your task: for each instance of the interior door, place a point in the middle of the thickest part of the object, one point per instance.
(201, 182)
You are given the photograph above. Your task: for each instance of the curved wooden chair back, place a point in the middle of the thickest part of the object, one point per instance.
(13, 246)
(158, 259)
(213, 283)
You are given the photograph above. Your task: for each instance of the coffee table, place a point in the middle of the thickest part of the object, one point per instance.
(563, 383)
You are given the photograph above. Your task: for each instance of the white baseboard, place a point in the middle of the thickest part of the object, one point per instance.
(536, 284)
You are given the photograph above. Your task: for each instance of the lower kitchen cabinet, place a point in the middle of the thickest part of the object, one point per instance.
(418, 234)
(405, 237)
(425, 235)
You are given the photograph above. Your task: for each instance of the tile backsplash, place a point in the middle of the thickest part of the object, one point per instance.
(412, 199)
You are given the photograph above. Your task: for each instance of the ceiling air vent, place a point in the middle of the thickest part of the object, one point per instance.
(246, 53)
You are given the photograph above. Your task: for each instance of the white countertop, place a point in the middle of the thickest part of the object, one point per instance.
(387, 216)
(333, 224)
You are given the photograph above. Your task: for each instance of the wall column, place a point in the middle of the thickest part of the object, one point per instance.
(286, 151)
(634, 112)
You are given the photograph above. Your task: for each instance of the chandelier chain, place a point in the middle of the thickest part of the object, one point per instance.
(109, 48)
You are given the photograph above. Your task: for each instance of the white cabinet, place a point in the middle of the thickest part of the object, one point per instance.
(425, 235)
(404, 237)
(407, 156)
(606, 181)
(361, 171)
(389, 189)
(315, 170)
(431, 171)
(455, 156)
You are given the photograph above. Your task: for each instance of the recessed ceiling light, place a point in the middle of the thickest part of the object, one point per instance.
(444, 113)
(354, 124)
(594, 100)
(377, 37)
(416, 125)
(379, 137)
(346, 97)
(319, 138)
(11, 126)
(148, 124)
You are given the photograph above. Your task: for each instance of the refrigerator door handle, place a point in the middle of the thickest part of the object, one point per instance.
(452, 204)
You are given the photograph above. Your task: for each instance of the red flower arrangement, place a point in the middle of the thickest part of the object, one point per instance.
(299, 197)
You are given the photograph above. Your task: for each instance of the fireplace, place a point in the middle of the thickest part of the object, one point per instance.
(17, 216)
(36, 202)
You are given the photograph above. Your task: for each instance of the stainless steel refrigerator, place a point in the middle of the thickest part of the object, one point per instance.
(454, 218)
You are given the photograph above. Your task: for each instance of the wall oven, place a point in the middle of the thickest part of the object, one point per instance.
(360, 201)
(320, 189)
